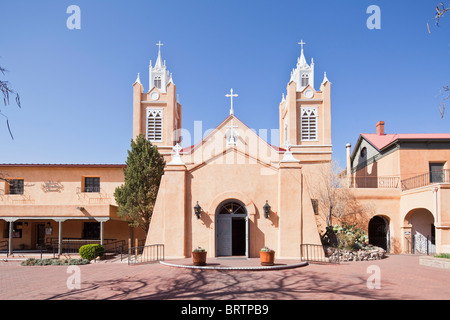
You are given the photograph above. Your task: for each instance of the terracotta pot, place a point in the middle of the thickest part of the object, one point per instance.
(267, 258)
(199, 258)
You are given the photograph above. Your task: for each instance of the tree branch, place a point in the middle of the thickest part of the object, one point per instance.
(7, 91)
(440, 11)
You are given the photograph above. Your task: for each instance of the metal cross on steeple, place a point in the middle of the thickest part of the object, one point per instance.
(159, 44)
(231, 95)
(301, 43)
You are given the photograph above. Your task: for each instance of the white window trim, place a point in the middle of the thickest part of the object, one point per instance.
(149, 111)
(309, 110)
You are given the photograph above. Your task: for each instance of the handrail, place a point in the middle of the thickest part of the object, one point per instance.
(375, 182)
(72, 245)
(6, 245)
(319, 253)
(119, 246)
(146, 254)
(426, 179)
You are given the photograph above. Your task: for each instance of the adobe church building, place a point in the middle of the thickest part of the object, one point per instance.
(213, 194)
(232, 193)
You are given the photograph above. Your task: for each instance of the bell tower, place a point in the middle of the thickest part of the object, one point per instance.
(305, 114)
(157, 113)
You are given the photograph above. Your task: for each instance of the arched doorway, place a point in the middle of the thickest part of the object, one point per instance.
(231, 229)
(379, 232)
(422, 237)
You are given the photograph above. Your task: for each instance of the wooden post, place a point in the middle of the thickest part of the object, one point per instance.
(136, 247)
(129, 249)
(101, 232)
(10, 248)
(59, 238)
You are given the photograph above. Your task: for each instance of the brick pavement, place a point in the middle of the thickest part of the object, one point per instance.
(401, 277)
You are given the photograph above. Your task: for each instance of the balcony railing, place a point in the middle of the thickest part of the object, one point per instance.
(425, 179)
(375, 182)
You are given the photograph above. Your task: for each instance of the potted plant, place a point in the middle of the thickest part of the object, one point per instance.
(267, 256)
(199, 256)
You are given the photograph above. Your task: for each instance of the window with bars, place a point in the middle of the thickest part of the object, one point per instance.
(309, 124)
(91, 184)
(14, 186)
(154, 125)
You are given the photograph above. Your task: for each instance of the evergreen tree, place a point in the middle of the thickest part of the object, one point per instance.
(136, 197)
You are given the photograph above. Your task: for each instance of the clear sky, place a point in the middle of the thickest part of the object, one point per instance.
(76, 85)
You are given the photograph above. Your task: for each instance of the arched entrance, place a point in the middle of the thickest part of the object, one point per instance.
(232, 229)
(379, 232)
(422, 236)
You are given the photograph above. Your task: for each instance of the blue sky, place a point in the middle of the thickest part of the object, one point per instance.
(76, 85)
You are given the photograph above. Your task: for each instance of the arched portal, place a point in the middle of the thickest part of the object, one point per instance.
(232, 229)
(379, 232)
(422, 237)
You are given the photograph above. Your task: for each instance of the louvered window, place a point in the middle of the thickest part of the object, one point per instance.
(154, 125)
(157, 82)
(305, 80)
(309, 124)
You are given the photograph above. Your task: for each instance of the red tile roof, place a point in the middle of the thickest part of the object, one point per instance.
(381, 141)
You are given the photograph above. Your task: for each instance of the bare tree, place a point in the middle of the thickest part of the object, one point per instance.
(6, 91)
(441, 9)
(336, 202)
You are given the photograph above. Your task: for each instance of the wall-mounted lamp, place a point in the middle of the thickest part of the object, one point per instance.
(266, 209)
(197, 210)
(80, 208)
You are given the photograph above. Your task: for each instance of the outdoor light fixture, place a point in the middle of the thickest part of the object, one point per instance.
(266, 209)
(197, 210)
(80, 208)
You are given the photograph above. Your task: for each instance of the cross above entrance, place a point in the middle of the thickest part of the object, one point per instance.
(231, 95)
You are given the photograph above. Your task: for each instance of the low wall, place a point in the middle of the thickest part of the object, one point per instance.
(435, 262)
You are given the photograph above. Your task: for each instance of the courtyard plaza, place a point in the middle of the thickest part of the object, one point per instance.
(400, 277)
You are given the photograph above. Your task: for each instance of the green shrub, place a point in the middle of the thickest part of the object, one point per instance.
(87, 251)
(442, 255)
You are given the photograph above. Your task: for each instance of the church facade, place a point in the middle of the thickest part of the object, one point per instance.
(232, 193)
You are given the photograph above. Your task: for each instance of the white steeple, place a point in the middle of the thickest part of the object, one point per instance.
(303, 74)
(159, 75)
